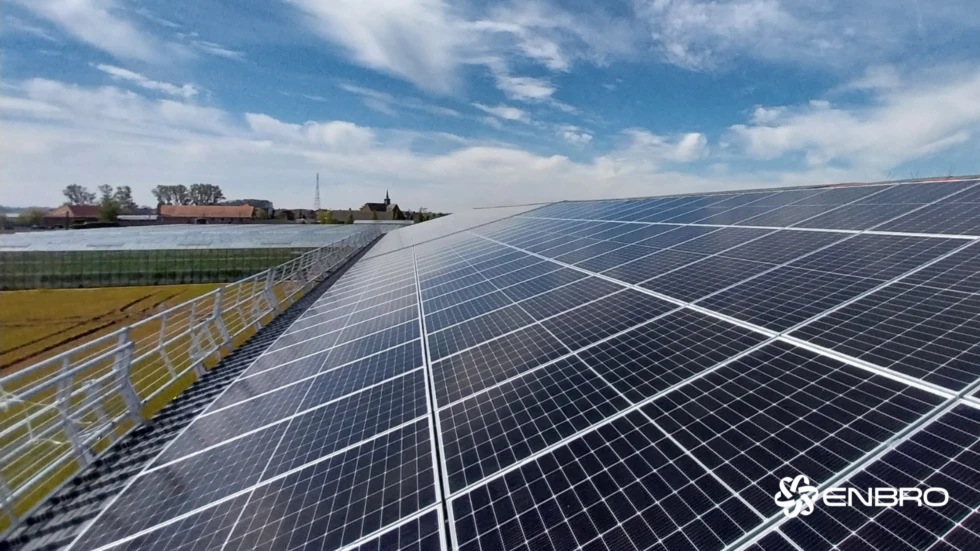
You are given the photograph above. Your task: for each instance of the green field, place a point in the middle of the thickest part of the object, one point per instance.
(108, 268)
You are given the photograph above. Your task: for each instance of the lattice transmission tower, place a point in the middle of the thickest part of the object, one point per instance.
(316, 198)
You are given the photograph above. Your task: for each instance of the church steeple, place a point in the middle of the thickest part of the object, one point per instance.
(387, 199)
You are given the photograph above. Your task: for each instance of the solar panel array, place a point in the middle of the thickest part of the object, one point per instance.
(611, 374)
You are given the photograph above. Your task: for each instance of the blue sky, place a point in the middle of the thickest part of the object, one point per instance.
(457, 104)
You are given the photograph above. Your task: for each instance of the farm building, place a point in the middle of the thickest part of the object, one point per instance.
(67, 215)
(211, 214)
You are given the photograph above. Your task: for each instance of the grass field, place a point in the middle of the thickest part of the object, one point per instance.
(39, 324)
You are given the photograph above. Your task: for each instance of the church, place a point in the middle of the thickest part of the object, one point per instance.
(385, 210)
(385, 206)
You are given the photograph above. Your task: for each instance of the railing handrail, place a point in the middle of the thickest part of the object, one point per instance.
(99, 378)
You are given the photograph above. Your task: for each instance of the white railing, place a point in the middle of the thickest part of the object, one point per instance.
(59, 415)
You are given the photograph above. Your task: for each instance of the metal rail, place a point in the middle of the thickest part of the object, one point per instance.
(59, 415)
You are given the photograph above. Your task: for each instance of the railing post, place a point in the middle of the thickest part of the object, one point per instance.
(270, 292)
(163, 351)
(63, 405)
(220, 322)
(122, 366)
(6, 500)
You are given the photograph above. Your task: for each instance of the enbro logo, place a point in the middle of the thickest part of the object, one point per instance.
(797, 496)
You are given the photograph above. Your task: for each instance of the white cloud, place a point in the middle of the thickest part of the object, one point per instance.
(493, 121)
(384, 102)
(574, 135)
(97, 22)
(905, 122)
(18, 25)
(67, 133)
(704, 34)
(524, 88)
(505, 112)
(415, 39)
(217, 50)
(186, 91)
(113, 135)
(765, 115)
(653, 148)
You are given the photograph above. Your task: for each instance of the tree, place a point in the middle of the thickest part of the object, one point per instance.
(417, 219)
(181, 195)
(31, 217)
(162, 195)
(105, 193)
(261, 214)
(257, 203)
(206, 194)
(282, 215)
(350, 218)
(109, 207)
(374, 215)
(172, 195)
(124, 196)
(325, 217)
(397, 214)
(78, 195)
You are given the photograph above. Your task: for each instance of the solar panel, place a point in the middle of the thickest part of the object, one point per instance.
(638, 373)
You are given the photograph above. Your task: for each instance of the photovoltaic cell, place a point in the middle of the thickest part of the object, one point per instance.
(959, 271)
(879, 256)
(586, 253)
(363, 415)
(615, 258)
(540, 268)
(375, 325)
(348, 352)
(772, 541)
(650, 266)
(784, 297)
(841, 195)
(542, 284)
(928, 333)
(721, 240)
(477, 330)
(736, 215)
(782, 411)
(676, 236)
(495, 429)
(477, 368)
(235, 420)
(698, 280)
(666, 351)
(953, 219)
(589, 324)
(466, 310)
(856, 217)
(163, 494)
(783, 246)
(453, 298)
(342, 499)
(787, 216)
(944, 454)
(207, 529)
(642, 232)
(570, 296)
(622, 486)
(419, 534)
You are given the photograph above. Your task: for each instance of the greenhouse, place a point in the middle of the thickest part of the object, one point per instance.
(156, 255)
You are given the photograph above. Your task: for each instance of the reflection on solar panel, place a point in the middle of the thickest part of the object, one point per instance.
(620, 374)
